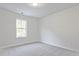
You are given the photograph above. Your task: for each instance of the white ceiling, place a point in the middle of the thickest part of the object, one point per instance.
(43, 10)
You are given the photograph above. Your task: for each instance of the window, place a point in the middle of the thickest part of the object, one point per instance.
(20, 28)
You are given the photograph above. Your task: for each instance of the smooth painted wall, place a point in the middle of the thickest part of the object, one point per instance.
(61, 29)
(8, 29)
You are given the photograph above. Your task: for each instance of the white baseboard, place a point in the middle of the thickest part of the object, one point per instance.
(15, 45)
(60, 46)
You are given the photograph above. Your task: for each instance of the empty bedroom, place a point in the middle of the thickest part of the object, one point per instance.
(39, 29)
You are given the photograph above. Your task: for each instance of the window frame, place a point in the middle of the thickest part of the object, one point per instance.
(21, 25)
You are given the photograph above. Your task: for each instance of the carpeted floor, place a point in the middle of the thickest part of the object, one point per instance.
(37, 49)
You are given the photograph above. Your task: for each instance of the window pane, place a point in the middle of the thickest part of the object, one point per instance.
(18, 23)
(23, 24)
(20, 28)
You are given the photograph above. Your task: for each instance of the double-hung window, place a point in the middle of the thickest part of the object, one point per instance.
(20, 28)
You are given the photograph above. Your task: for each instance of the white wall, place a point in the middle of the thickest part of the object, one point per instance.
(61, 29)
(8, 29)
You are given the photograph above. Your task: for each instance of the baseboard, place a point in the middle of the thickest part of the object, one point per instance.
(60, 47)
(17, 45)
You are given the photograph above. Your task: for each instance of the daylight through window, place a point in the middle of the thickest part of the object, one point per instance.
(20, 28)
